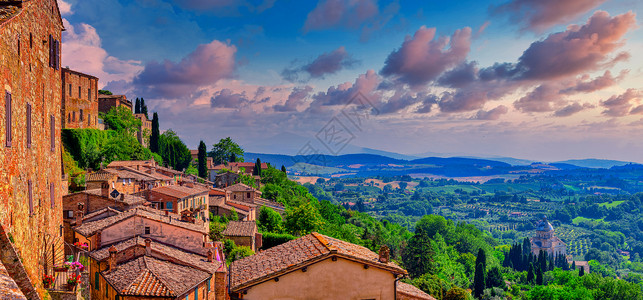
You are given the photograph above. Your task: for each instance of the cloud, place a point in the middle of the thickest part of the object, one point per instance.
(539, 15)
(296, 98)
(82, 51)
(224, 7)
(460, 76)
(422, 59)
(206, 65)
(586, 86)
(620, 105)
(65, 8)
(572, 109)
(226, 98)
(544, 98)
(327, 63)
(342, 94)
(493, 114)
(340, 13)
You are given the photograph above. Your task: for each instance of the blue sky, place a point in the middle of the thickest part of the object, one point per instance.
(538, 79)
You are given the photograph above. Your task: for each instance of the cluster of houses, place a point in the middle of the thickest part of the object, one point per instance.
(139, 230)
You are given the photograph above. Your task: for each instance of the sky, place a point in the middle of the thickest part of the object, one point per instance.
(543, 80)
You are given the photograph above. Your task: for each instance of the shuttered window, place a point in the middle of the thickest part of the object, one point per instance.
(30, 189)
(57, 55)
(96, 281)
(28, 125)
(7, 125)
(51, 51)
(52, 194)
(53, 133)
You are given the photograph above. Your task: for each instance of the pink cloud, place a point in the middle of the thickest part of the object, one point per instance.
(325, 64)
(339, 13)
(493, 114)
(620, 105)
(538, 15)
(584, 85)
(422, 59)
(206, 65)
(572, 109)
(544, 98)
(295, 99)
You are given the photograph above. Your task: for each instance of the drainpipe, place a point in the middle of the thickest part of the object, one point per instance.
(395, 286)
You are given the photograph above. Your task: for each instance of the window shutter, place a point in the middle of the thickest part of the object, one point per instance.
(28, 125)
(53, 133)
(30, 188)
(57, 55)
(52, 194)
(51, 51)
(8, 121)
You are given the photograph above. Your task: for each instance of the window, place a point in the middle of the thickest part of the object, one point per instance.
(196, 293)
(96, 282)
(89, 119)
(147, 230)
(208, 282)
(30, 40)
(56, 55)
(70, 90)
(89, 94)
(18, 38)
(235, 196)
(248, 195)
(28, 125)
(52, 194)
(169, 205)
(51, 51)
(70, 214)
(79, 94)
(30, 189)
(80, 117)
(53, 132)
(73, 116)
(7, 125)
(68, 117)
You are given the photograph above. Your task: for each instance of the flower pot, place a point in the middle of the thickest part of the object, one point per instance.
(70, 287)
(60, 269)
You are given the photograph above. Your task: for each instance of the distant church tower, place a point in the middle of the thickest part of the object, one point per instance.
(546, 240)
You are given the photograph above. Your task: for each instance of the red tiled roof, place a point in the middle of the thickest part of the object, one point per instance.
(240, 228)
(412, 292)
(240, 187)
(297, 253)
(178, 191)
(126, 198)
(129, 163)
(148, 276)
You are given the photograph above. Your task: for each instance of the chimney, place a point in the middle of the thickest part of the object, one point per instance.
(210, 255)
(79, 218)
(123, 197)
(385, 255)
(104, 190)
(112, 258)
(148, 247)
(258, 241)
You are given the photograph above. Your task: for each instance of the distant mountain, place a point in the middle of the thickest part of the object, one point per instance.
(593, 163)
(510, 160)
(442, 161)
(323, 160)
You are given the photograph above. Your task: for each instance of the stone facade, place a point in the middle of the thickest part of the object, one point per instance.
(547, 241)
(106, 102)
(80, 100)
(31, 177)
(144, 131)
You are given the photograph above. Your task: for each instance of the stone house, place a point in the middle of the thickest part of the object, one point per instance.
(79, 100)
(218, 202)
(243, 193)
(126, 180)
(316, 266)
(224, 179)
(107, 102)
(243, 233)
(177, 199)
(31, 175)
(144, 131)
(236, 167)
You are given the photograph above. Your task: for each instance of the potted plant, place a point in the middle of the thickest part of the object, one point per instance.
(47, 281)
(61, 268)
(80, 245)
(72, 281)
(75, 266)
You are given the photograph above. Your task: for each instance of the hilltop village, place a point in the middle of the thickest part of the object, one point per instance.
(97, 203)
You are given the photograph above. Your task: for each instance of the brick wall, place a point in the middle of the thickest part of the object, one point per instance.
(26, 74)
(79, 100)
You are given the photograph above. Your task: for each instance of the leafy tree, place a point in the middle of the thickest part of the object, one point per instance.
(154, 138)
(121, 120)
(144, 108)
(283, 169)
(257, 169)
(403, 185)
(225, 150)
(530, 274)
(269, 220)
(192, 170)
(418, 256)
(479, 280)
(495, 279)
(216, 228)
(303, 219)
(104, 92)
(173, 151)
(581, 272)
(456, 293)
(137, 106)
(203, 164)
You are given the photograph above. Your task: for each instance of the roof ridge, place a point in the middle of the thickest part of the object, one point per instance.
(157, 277)
(322, 239)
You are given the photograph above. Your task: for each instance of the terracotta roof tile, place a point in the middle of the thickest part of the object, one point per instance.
(240, 228)
(412, 292)
(148, 276)
(178, 191)
(240, 187)
(90, 228)
(298, 253)
(126, 198)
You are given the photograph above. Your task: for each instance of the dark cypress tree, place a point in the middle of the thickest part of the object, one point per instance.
(257, 170)
(202, 157)
(144, 108)
(573, 265)
(551, 265)
(283, 168)
(539, 277)
(582, 271)
(479, 280)
(154, 137)
(481, 258)
(137, 106)
(526, 246)
(530, 273)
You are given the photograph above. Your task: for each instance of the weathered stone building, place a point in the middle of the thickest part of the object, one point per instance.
(244, 233)
(79, 100)
(547, 241)
(31, 178)
(144, 131)
(106, 102)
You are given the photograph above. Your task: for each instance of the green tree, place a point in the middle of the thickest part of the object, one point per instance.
(481, 258)
(283, 169)
(173, 151)
(530, 274)
(257, 169)
(418, 256)
(192, 170)
(303, 219)
(539, 276)
(203, 164)
(104, 92)
(269, 220)
(216, 228)
(121, 120)
(224, 151)
(144, 108)
(154, 138)
(581, 272)
(456, 293)
(495, 279)
(479, 280)
(137, 106)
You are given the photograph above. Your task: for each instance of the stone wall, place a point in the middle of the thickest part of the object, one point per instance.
(79, 100)
(26, 73)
